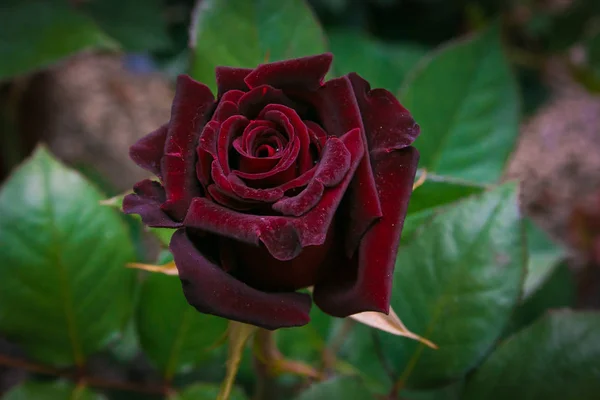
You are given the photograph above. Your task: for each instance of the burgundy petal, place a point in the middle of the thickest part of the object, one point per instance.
(233, 184)
(339, 113)
(192, 105)
(146, 199)
(277, 233)
(148, 151)
(306, 73)
(252, 103)
(227, 132)
(230, 78)
(213, 291)
(284, 237)
(229, 200)
(331, 170)
(224, 110)
(303, 202)
(206, 150)
(376, 257)
(283, 172)
(388, 125)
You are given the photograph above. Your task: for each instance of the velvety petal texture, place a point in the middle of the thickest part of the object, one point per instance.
(281, 182)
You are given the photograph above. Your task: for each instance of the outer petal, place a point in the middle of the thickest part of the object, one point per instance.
(388, 125)
(339, 112)
(306, 73)
(230, 78)
(148, 151)
(211, 290)
(146, 200)
(376, 257)
(192, 105)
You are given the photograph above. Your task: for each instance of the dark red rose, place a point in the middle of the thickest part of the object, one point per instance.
(281, 183)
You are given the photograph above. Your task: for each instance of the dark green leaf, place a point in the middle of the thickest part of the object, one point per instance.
(206, 391)
(64, 288)
(544, 257)
(383, 65)
(456, 285)
(59, 390)
(451, 392)
(430, 198)
(172, 333)
(571, 25)
(241, 33)
(556, 358)
(307, 342)
(137, 26)
(465, 98)
(35, 34)
(557, 291)
(348, 388)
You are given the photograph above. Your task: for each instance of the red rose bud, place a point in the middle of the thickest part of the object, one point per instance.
(281, 183)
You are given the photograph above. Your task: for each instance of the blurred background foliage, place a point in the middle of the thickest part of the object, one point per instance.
(502, 89)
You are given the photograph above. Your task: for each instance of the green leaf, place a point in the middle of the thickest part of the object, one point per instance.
(436, 193)
(58, 390)
(172, 333)
(466, 101)
(241, 33)
(557, 291)
(384, 65)
(206, 391)
(57, 31)
(347, 388)
(451, 392)
(544, 257)
(456, 285)
(307, 342)
(556, 358)
(64, 289)
(136, 26)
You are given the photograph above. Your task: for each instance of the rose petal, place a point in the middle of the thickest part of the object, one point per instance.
(252, 103)
(233, 96)
(234, 185)
(206, 150)
(225, 110)
(302, 203)
(330, 171)
(250, 133)
(146, 199)
(284, 237)
(306, 73)
(228, 131)
(376, 256)
(278, 234)
(339, 113)
(213, 291)
(230, 78)
(284, 171)
(192, 105)
(148, 151)
(228, 200)
(275, 113)
(388, 125)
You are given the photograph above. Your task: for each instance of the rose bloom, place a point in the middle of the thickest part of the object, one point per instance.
(281, 183)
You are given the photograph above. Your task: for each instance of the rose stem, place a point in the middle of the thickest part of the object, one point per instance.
(238, 334)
